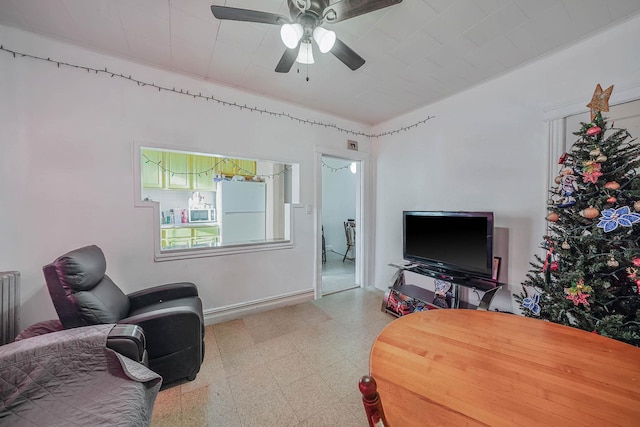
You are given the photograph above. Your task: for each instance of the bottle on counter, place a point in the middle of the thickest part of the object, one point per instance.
(185, 219)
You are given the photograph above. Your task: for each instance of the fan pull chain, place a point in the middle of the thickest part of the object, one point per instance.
(307, 69)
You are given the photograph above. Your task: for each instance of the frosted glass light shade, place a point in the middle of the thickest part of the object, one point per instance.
(325, 39)
(291, 34)
(305, 54)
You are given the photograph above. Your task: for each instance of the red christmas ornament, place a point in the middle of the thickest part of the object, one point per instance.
(562, 159)
(593, 130)
(612, 200)
(554, 267)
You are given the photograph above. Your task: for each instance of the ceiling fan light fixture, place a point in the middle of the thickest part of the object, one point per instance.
(305, 54)
(324, 38)
(291, 34)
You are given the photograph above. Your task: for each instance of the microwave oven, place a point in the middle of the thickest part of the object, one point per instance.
(202, 215)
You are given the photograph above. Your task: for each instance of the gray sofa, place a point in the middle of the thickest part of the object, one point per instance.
(51, 377)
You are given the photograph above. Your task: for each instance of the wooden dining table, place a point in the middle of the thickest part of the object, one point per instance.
(481, 368)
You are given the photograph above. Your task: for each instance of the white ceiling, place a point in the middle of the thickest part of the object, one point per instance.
(417, 52)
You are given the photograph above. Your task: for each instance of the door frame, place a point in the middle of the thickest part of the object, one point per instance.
(364, 241)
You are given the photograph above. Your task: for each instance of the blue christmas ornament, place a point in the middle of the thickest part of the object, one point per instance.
(532, 304)
(611, 218)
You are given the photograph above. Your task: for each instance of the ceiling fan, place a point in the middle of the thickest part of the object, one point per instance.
(305, 24)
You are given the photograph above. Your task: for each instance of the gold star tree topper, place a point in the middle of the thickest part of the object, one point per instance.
(599, 101)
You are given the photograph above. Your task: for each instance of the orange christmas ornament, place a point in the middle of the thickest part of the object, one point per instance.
(612, 185)
(552, 217)
(590, 212)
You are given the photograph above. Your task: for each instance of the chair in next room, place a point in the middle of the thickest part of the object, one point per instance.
(350, 233)
(324, 248)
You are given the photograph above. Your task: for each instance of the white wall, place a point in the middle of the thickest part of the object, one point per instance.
(66, 179)
(486, 149)
(66, 173)
(338, 201)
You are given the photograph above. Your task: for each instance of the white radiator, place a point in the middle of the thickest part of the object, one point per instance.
(9, 306)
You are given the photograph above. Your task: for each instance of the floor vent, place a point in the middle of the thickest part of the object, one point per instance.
(9, 306)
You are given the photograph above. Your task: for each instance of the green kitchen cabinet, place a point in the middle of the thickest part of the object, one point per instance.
(203, 168)
(182, 171)
(231, 167)
(208, 236)
(176, 237)
(178, 175)
(226, 166)
(246, 168)
(152, 169)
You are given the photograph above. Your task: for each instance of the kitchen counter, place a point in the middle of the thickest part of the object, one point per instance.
(190, 224)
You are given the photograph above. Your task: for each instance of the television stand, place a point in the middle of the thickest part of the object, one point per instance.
(401, 298)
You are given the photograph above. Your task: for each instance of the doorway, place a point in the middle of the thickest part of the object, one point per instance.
(339, 224)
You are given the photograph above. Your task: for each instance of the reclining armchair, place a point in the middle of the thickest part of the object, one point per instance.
(170, 315)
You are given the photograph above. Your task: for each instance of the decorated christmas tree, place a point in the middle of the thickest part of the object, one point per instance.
(590, 275)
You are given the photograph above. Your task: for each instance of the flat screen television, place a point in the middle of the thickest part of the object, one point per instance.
(453, 245)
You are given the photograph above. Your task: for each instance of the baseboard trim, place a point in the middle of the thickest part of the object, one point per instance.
(236, 311)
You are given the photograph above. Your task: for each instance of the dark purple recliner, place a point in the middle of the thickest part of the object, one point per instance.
(170, 315)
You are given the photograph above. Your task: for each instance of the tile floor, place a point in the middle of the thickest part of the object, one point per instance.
(293, 366)
(336, 274)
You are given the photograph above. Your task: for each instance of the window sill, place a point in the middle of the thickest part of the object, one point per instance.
(188, 253)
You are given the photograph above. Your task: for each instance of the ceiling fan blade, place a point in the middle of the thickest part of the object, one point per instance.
(346, 9)
(347, 55)
(235, 14)
(287, 60)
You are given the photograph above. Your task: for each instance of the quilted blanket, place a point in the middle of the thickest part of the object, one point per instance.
(70, 378)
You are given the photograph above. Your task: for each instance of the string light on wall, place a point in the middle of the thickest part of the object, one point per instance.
(350, 167)
(216, 167)
(200, 96)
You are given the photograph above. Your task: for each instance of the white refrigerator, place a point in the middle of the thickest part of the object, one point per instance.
(241, 206)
